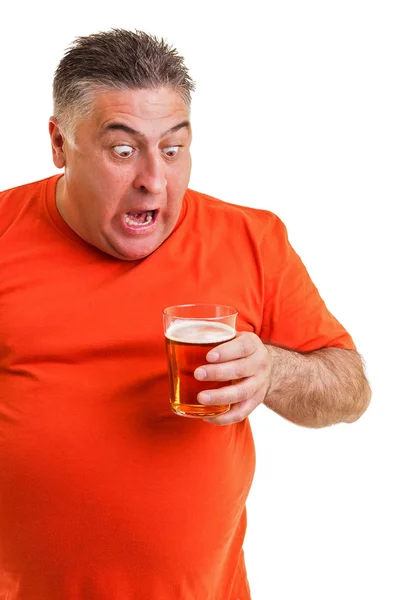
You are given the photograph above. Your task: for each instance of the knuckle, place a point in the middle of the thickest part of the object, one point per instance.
(249, 343)
(215, 372)
(246, 408)
(243, 393)
(240, 370)
(228, 374)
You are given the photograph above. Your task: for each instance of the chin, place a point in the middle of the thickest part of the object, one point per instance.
(125, 253)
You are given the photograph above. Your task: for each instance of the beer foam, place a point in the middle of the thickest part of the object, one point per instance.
(199, 332)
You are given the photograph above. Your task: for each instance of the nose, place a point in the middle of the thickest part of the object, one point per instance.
(150, 174)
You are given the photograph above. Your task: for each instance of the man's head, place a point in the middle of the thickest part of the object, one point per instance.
(121, 130)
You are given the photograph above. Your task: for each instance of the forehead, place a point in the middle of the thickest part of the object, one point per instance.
(151, 110)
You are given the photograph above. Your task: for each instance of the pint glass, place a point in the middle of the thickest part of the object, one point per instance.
(191, 331)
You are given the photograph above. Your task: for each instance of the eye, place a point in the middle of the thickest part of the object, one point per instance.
(171, 151)
(124, 151)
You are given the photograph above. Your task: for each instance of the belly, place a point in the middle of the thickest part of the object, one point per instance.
(89, 485)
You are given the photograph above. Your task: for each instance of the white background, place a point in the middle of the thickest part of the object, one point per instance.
(294, 112)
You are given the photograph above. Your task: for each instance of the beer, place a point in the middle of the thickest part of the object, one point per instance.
(187, 344)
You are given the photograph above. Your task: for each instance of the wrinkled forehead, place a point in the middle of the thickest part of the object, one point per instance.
(143, 104)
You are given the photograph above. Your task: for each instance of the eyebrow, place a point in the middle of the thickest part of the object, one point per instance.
(127, 129)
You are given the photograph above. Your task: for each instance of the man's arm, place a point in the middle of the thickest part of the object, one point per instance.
(313, 389)
(318, 388)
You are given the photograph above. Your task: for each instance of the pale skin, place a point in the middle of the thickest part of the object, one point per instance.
(133, 154)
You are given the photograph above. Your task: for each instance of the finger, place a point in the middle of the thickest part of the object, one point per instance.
(229, 371)
(237, 413)
(244, 344)
(230, 394)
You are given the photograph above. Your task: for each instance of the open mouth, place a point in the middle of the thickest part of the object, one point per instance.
(140, 218)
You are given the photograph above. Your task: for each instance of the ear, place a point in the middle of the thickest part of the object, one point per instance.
(57, 142)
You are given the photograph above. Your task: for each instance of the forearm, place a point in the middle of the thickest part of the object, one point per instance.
(318, 388)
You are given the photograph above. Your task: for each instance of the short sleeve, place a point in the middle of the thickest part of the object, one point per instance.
(294, 314)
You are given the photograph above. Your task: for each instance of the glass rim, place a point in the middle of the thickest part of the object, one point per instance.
(234, 311)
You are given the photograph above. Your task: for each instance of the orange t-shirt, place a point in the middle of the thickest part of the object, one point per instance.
(104, 492)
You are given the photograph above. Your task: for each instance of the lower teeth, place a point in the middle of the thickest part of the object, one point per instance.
(130, 221)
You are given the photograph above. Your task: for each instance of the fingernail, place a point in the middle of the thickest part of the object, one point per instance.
(200, 373)
(212, 356)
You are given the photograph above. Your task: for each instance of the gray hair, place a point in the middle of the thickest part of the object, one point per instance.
(114, 60)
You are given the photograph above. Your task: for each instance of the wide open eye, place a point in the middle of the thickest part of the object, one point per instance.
(171, 151)
(124, 151)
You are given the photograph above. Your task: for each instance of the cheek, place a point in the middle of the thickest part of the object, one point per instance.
(102, 193)
(106, 181)
(178, 179)
(176, 187)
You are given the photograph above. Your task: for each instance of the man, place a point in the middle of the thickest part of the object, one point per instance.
(105, 494)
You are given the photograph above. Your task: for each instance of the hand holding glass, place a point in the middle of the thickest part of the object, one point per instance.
(191, 331)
